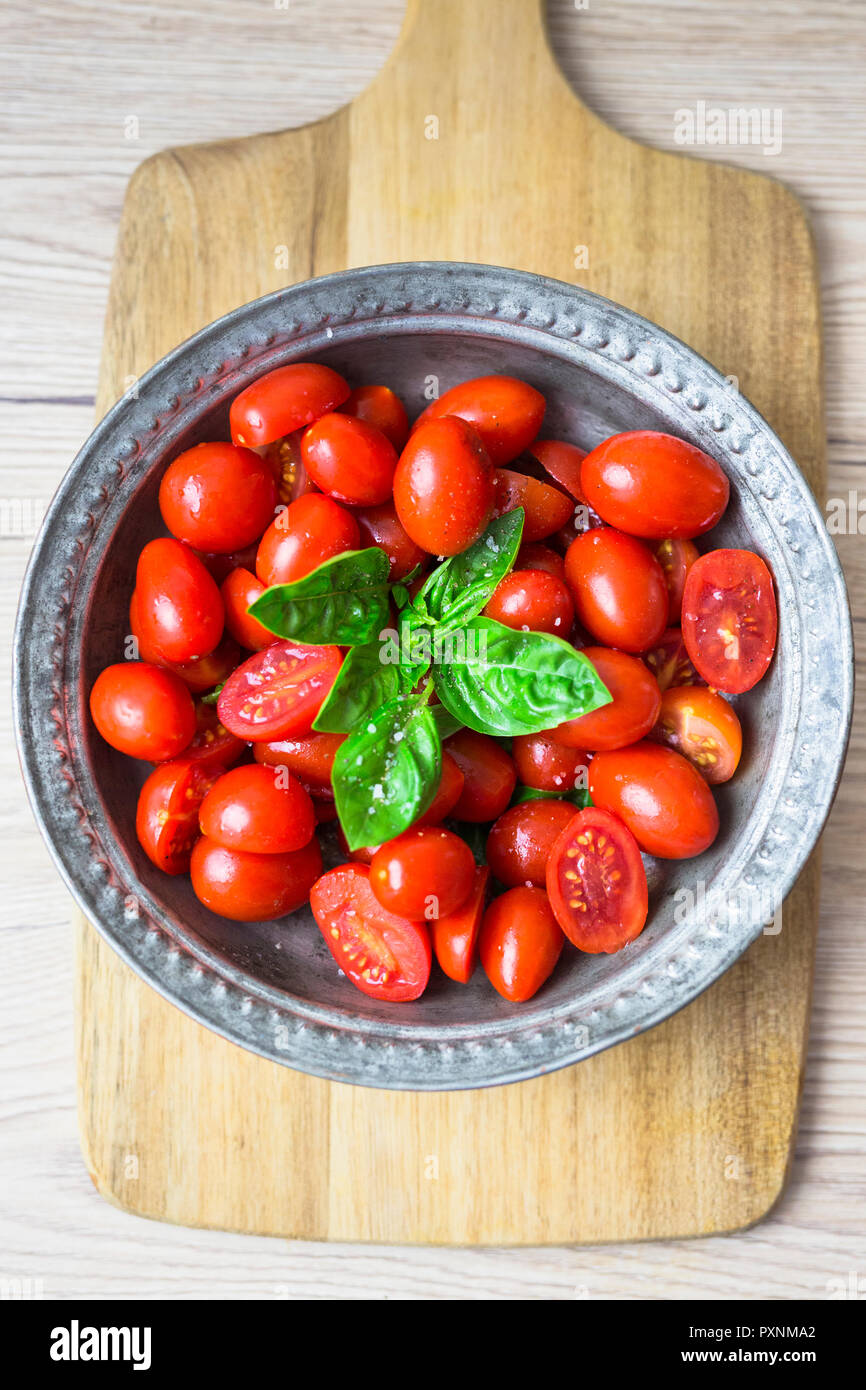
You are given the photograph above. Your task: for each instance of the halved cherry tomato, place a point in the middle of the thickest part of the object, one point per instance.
(262, 809)
(676, 559)
(619, 590)
(384, 955)
(379, 406)
(278, 692)
(443, 486)
(284, 400)
(143, 710)
(423, 874)
(212, 744)
(507, 413)
(283, 456)
(669, 661)
(166, 819)
(308, 532)
(248, 887)
(519, 845)
(632, 712)
(596, 882)
(489, 776)
(455, 937)
(660, 796)
(654, 485)
(540, 557)
(520, 943)
(703, 727)
(381, 526)
(239, 591)
(546, 508)
(729, 619)
(562, 461)
(180, 611)
(534, 601)
(217, 497)
(543, 761)
(309, 757)
(349, 459)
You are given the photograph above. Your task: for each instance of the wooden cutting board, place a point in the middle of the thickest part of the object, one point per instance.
(470, 146)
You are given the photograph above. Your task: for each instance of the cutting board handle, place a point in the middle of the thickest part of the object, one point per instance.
(444, 36)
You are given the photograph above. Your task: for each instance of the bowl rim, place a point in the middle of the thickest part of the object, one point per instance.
(302, 320)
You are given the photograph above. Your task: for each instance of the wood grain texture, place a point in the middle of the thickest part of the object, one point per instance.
(64, 175)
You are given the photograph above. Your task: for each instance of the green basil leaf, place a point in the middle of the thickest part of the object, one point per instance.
(344, 600)
(579, 796)
(364, 682)
(511, 682)
(387, 772)
(461, 586)
(212, 695)
(445, 721)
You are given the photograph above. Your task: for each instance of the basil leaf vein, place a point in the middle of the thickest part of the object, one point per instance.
(387, 772)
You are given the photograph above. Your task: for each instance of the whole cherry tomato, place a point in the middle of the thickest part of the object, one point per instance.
(455, 937)
(178, 603)
(309, 757)
(212, 745)
(546, 508)
(199, 676)
(448, 793)
(384, 955)
(262, 809)
(703, 727)
(489, 776)
(349, 459)
(619, 590)
(308, 532)
(379, 406)
(532, 600)
(278, 692)
(443, 486)
(676, 559)
(540, 557)
(423, 874)
(669, 661)
(143, 710)
(729, 619)
(166, 819)
(660, 796)
(507, 413)
(632, 712)
(520, 943)
(562, 461)
(239, 591)
(596, 882)
(519, 845)
(284, 400)
(544, 762)
(217, 497)
(381, 526)
(248, 887)
(654, 485)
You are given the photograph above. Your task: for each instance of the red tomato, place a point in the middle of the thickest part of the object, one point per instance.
(443, 486)
(283, 456)
(247, 887)
(519, 845)
(562, 461)
(547, 764)
(278, 692)
(212, 745)
(663, 800)
(546, 508)
(199, 676)
(310, 758)
(520, 943)
(262, 809)
(239, 591)
(669, 661)
(349, 459)
(448, 793)
(180, 611)
(217, 497)
(654, 485)
(166, 819)
(630, 715)
(507, 413)
(729, 619)
(385, 956)
(285, 400)
(489, 776)
(219, 566)
(455, 937)
(325, 811)
(703, 727)
(619, 591)
(423, 874)
(381, 526)
(676, 559)
(596, 883)
(540, 557)
(379, 406)
(308, 532)
(532, 600)
(143, 710)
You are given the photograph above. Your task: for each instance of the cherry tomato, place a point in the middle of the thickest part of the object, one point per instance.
(143, 710)
(283, 456)
(596, 883)
(540, 557)
(448, 793)
(284, 400)
(660, 796)
(507, 413)
(669, 661)
(248, 887)
(219, 566)
(384, 955)
(349, 459)
(239, 591)
(544, 762)
(519, 845)
(443, 486)
(278, 692)
(534, 601)
(562, 461)
(455, 937)
(309, 757)
(262, 809)
(654, 485)
(703, 727)
(199, 676)
(630, 715)
(180, 611)
(676, 559)
(212, 745)
(217, 497)
(619, 590)
(308, 532)
(379, 406)
(546, 508)
(489, 776)
(729, 619)
(423, 874)
(520, 943)
(166, 819)
(381, 526)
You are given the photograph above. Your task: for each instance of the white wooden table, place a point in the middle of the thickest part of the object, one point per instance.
(89, 91)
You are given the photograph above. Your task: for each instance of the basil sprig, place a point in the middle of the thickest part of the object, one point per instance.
(460, 587)
(344, 601)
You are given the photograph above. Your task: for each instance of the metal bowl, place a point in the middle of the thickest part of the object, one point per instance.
(273, 987)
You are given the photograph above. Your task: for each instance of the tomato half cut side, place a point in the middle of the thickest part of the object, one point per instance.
(669, 661)
(212, 744)
(455, 937)
(166, 818)
(384, 956)
(729, 619)
(277, 692)
(701, 725)
(596, 883)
